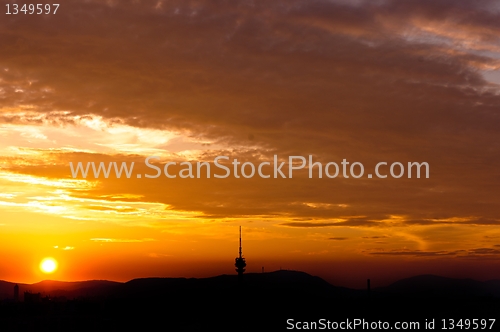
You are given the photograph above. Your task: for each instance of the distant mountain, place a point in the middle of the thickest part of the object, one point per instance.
(226, 303)
(146, 287)
(272, 282)
(7, 290)
(280, 283)
(89, 288)
(432, 285)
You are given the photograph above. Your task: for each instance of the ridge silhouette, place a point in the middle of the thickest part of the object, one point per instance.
(416, 285)
(220, 302)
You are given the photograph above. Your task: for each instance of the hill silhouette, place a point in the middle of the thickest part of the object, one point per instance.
(224, 302)
(70, 290)
(145, 287)
(282, 280)
(300, 282)
(436, 286)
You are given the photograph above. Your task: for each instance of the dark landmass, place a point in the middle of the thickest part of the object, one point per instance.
(262, 301)
(435, 286)
(70, 290)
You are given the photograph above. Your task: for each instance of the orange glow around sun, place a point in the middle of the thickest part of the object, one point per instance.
(48, 265)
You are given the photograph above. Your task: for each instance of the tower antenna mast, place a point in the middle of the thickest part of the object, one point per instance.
(240, 243)
(239, 262)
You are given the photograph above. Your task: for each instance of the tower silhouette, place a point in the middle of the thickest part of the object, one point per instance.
(239, 262)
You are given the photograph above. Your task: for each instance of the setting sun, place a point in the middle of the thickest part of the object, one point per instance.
(48, 265)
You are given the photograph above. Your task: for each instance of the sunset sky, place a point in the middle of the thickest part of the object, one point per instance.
(366, 81)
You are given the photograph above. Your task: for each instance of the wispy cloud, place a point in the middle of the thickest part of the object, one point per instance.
(463, 253)
(66, 248)
(113, 240)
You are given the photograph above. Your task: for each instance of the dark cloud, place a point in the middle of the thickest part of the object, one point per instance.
(386, 81)
(455, 221)
(414, 253)
(469, 253)
(347, 223)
